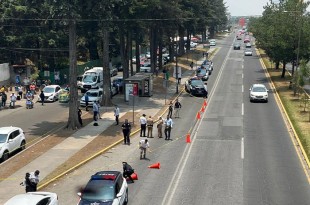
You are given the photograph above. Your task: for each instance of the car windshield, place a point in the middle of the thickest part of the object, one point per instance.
(3, 138)
(92, 94)
(202, 72)
(102, 190)
(196, 82)
(259, 89)
(49, 90)
(248, 50)
(90, 78)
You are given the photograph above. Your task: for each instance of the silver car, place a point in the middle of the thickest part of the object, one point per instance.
(258, 92)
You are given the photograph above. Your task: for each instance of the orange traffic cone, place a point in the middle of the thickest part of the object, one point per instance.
(134, 176)
(155, 166)
(198, 117)
(202, 109)
(205, 103)
(188, 138)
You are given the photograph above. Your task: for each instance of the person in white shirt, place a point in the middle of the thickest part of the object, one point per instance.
(95, 111)
(143, 145)
(143, 125)
(13, 98)
(116, 114)
(34, 178)
(168, 127)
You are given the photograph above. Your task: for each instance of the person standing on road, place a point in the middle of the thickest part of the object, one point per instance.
(149, 124)
(116, 114)
(34, 178)
(42, 97)
(80, 117)
(4, 98)
(160, 127)
(168, 127)
(95, 111)
(191, 65)
(143, 144)
(128, 171)
(86, 98)
(13, 100)
(170, 109)
(206, 88)
(126, 131)
(143, 125)
(20, 91)
(177, 107)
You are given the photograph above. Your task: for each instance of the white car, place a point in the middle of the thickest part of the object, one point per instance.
(93, 95)
(146, 68)
(34, 198)
(105, 187)
(193, 44)
(11, 139)
(258, 92)
(51, 93)
(248, 52)
(79, 81)
(212, 42)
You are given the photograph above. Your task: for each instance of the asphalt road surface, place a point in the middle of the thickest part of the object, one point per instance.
(241, 152)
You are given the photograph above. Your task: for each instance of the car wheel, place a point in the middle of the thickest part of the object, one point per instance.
(5, 156)
(22, 145)
(126, 197)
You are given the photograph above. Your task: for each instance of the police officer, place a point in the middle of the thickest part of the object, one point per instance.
(126, 131)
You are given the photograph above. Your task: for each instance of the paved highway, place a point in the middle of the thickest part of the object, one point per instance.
(240, 154)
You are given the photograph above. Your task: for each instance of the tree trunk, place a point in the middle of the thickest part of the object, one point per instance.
(188, 41)
(123, 52)
(92, 49)
(160, 47)
(106, 97)
(293, 68)
(181, 42)
(277, 65)
(137, 51)
(283, 70)
(73, 122)
(153, 46)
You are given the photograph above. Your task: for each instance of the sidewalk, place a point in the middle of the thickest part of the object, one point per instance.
(59, 154)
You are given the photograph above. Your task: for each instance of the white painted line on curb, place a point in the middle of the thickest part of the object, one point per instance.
(242, 89)
(242, 109)
(242, 148)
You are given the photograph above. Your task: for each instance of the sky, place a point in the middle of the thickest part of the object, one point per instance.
(245, 7)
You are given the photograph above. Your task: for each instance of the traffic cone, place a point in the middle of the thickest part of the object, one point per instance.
(202, 109)
(188, 138)
(134, 176)
(198, 117)
(155, 166)
(205, 103)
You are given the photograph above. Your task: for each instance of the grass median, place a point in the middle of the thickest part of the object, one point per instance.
(297, 109)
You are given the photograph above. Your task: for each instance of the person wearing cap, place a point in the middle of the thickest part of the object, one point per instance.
(143, 125)
(143, 145)
(149, 124)
(34, 178)
(128, 171)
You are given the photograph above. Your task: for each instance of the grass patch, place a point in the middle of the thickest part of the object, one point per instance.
(297, 111)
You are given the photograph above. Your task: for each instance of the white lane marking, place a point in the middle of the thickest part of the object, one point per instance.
(242, 66)
(242, 109)
(242, 148)
(174, 183)
(242, 76)
(242, 89)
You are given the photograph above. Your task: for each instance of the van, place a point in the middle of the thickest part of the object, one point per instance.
(92, 79)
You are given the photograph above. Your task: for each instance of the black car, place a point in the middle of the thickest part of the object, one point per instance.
(196, 87)
(105, 188)
(237, 46)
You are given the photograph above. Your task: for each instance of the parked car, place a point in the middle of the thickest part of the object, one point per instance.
(237, 46)
(258, 92)
(202, 74)
(193, 44)
(11, 139)
(146, 68)
(113, 71)
(196, 87)
(51, 93)
(118, 82)
(248, 52)
(212, 42)
(93, 95)
(105, 187)
(64, 96)
(239, 37)
(34, 198)
(208, 63)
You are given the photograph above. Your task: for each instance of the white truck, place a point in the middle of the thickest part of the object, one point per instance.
(92, 79)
